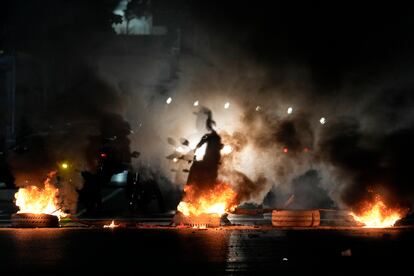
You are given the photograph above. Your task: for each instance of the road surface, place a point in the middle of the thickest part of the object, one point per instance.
(227, 250)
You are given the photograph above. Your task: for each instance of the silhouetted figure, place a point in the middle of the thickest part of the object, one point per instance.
(204, 172)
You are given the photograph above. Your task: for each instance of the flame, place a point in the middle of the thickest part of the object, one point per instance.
(112, 225)
(378, 215)
(217, 201)
(201, 226)
(36, 200)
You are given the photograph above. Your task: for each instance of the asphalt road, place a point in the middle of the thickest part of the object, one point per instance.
(231, 250)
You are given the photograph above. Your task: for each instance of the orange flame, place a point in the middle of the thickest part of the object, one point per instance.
(378, 215)
(217, 201)
(35, 200)
(112, 225)
(201, 226)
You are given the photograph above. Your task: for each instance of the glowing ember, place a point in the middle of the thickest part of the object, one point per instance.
(201, 226)
(216, 201)
(378, 215)
(112, 225)
(36, 200)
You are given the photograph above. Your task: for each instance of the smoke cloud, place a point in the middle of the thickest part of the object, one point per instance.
(363, 149)
(71, 132)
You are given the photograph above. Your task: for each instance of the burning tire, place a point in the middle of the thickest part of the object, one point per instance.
(27, 220)
(292, 218)
(206, 220)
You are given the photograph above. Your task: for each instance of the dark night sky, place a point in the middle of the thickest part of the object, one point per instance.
(332, 38)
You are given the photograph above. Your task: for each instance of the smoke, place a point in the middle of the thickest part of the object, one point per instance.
(258, 136)
(364, 165)
(72, 130)
(364, 147)
(352, 157)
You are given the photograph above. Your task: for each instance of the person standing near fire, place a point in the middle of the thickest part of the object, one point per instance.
(205, 171)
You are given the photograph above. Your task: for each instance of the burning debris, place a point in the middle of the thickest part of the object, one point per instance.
(111, 225)
(40, 200)
(371, 172)
(377, 215)
(38, 206)
(201, 221)
(201, 226)
(216, 201)
(206, 199)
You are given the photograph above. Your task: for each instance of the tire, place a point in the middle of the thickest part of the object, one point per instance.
(295, 218)
(207, 220)
(28, 220)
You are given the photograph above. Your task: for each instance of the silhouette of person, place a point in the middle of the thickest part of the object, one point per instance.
(204, 172)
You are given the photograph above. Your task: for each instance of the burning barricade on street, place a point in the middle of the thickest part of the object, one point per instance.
(218, 180)
(376, 214)
(205, 207)
(38, 206)
(206, 200)
(208, 197)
